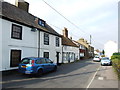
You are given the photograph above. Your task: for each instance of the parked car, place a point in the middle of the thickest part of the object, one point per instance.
(38, 66)
(106, 61)
(97, 59)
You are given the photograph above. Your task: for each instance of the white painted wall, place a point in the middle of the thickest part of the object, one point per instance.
(51, 48)
(28, 44)
(110, 47)
(1, 44)
(71, 49)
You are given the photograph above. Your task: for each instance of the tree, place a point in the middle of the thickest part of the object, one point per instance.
(103, 52)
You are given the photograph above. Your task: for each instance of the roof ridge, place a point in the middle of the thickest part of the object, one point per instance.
(12, 12)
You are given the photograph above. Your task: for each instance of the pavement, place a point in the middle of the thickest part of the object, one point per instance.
(104, 77)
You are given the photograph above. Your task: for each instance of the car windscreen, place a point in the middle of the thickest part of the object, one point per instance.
(25, 61)
(105, 58)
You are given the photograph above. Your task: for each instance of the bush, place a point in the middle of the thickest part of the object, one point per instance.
(116, 53)
(116, 66)
(116, 63)
(115, 56)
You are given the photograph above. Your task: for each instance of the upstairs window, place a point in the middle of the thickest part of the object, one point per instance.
(46, 39)
(16, 32)
(41, 23)
(57, 42)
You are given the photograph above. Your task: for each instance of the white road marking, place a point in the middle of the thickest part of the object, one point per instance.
(92, 78)
(100, 78)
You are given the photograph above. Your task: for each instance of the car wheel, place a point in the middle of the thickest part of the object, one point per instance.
(110, 64)
(40, 72)
(55, 68)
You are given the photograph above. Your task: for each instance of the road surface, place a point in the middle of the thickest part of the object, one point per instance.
(81, 74)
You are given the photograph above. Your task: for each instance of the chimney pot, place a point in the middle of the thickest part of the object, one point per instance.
(65, 32)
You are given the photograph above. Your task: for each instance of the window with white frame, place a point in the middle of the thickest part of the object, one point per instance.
(16, 32)
(46, 39)
(46, 54)
(57, 42)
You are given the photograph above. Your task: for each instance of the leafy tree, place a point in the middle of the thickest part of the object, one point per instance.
(103, 52)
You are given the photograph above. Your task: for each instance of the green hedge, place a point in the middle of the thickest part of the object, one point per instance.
(115, 56)
(116, 66)
(116, 63)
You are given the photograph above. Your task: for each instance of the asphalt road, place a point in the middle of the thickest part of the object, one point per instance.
(72, 75)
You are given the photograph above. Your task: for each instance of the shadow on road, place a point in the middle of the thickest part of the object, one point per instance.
(62, 72)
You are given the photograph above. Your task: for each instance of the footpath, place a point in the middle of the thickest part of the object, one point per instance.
(105, 77)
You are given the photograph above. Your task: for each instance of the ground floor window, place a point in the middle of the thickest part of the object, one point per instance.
(46, 54)
(15, 58)
(68, 56)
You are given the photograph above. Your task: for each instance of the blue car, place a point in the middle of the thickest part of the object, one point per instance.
(38, 66)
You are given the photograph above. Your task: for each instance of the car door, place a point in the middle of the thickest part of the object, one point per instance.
(50, 64)
(41, 63)
(45, 65)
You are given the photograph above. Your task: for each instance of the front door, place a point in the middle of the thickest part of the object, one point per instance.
(57, 56)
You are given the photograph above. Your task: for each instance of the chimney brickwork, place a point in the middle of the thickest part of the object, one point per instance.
(22, 5)
(65, 32)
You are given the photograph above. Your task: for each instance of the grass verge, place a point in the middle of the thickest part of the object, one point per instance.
(116, 66)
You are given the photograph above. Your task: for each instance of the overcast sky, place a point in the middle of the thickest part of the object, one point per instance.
(98, 18)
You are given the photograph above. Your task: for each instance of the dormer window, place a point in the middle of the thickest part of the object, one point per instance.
(41, 22)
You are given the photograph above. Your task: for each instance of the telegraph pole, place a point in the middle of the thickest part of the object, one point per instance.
(90, 46)
(90, 39)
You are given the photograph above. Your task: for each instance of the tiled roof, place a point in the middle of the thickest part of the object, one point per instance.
(68, 42)
(16, 14)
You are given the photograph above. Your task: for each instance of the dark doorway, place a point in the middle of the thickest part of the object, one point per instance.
(57, 56)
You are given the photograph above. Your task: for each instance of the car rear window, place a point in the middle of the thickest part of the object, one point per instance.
(96, 57)
(25, 61)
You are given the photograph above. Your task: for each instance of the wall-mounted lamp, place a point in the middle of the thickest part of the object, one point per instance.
(33, 29)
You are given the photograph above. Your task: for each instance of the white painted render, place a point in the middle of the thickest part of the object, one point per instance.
(51, 48)
(0, 44)
(110, 47)
(28, 45)
(72, 50)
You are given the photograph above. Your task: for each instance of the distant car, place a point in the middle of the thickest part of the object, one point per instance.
(38, 66)
(106, 61)
(97, 59)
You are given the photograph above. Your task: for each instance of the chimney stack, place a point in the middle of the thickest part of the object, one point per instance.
(65, 32)
(22, 5)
